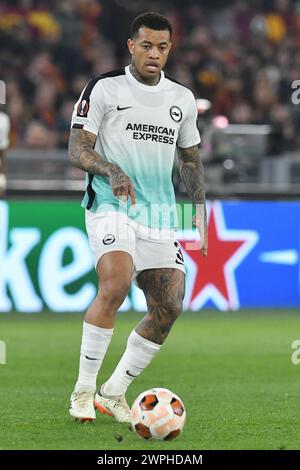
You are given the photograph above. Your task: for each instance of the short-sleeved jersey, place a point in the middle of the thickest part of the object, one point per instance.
(4, 131)
(137, 128)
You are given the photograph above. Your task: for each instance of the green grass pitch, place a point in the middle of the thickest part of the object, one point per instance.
(233, 372)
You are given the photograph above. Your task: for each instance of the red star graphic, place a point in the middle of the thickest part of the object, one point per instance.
(211, 269)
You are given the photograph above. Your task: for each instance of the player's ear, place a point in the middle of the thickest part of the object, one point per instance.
(130, 44)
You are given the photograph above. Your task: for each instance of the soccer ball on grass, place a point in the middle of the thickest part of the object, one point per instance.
(159, 414)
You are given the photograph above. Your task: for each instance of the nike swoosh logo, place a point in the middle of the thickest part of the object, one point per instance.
(91, 358)
(128, 373)
(179, 262)
(121, 109)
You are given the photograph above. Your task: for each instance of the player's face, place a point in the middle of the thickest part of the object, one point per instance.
(150, 50)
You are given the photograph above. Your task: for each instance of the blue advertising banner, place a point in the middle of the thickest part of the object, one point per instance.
(253, 258)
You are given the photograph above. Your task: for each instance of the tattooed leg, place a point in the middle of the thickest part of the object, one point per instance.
(164, 292)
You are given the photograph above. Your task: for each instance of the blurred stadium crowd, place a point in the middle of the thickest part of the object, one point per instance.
(242, 56)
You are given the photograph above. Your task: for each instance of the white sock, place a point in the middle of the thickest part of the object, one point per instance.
(138, 355)
(94, 344)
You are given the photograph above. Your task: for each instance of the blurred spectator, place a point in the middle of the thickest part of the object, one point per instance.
(38, 136)
(284, 133)
(242, 56)
(242, 114)
(63, 123)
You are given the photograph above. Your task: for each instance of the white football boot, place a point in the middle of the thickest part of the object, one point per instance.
(115, 406)
(82, 405)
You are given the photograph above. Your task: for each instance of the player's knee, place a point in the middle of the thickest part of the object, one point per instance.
(113, 293)
(169, 308)
(173, 307)
(173, 304)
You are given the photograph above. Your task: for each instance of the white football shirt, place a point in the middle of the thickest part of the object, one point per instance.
(137, 127)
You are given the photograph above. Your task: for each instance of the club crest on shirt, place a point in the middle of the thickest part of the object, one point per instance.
(83, 108)
(176, 113)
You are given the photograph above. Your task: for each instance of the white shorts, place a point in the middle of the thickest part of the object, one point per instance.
(149, 248)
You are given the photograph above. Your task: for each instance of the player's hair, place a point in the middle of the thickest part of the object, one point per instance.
(152, 21)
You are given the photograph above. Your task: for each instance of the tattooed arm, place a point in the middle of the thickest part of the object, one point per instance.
(192, 174)
(82, 154)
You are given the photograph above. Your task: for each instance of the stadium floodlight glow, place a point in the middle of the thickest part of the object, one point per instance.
(220, 122)
(203, 105)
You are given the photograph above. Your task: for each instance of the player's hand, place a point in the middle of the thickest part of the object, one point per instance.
(200, 221)
(121, 185)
